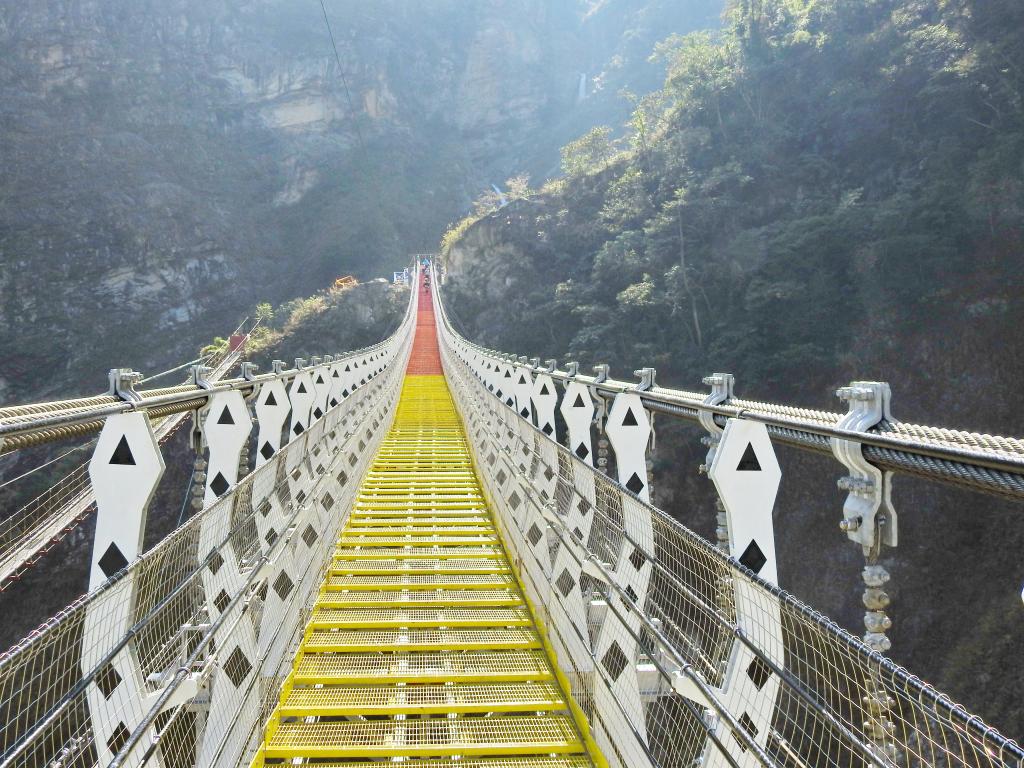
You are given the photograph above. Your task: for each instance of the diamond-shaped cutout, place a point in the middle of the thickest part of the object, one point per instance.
(547, 429)
(334, 402)
(583, 506)
(534, 534)
(501, 477)
(582, 451)
(630, 593)
(548, 473)
(267, 450)
(221, 601)
(749, 462)
(317, 413)
(214, 561)
(577, 533)
(328, 502)
(635, 484)
(113, 560)
(107, 679)
(122, 454)
(514, 501)
(614, 660)
(219, 484)
(747, 723)
(237, 667)
(565, 583)
(525, 413)
(637, 558)
(759, 672)
(118, 738)
(271, 537)
(283, 585)
(753, 558)
(298, 428)
(309, 535)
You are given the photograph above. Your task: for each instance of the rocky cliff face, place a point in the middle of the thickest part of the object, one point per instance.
(168, 164)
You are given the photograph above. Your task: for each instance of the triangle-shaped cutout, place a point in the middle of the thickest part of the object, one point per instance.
(579, 401)
(749, 462)
(319, 379)
(226, 417)
(629, 420)
(123, 453)
(302, 388)
(271, 400)
(522, 379)
(544, 389)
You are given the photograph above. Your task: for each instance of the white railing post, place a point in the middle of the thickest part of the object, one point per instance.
(125, 468)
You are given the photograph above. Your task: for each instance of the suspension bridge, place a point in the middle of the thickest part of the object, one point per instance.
(430, 554)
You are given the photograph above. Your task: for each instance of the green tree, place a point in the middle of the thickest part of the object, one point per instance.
(518, 187)
(264, 313)
(589, 153)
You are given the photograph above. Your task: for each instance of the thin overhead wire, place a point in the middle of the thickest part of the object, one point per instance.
(54, 460)
(344, 81)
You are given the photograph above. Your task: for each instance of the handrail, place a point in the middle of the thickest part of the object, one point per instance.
(988, 463)
(24, 426)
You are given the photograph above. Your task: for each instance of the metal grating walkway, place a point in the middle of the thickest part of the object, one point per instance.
(420, 648)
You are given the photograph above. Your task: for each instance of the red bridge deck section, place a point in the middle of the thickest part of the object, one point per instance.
(425, 359)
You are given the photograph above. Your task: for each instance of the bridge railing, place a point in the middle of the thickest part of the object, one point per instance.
(679, 652)
(176, 655)
(870, 444)
(33, 529)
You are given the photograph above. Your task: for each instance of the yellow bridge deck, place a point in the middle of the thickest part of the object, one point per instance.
(421, 650)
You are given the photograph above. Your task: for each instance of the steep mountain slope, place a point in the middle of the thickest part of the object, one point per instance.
(825, 192)
(167, 164)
